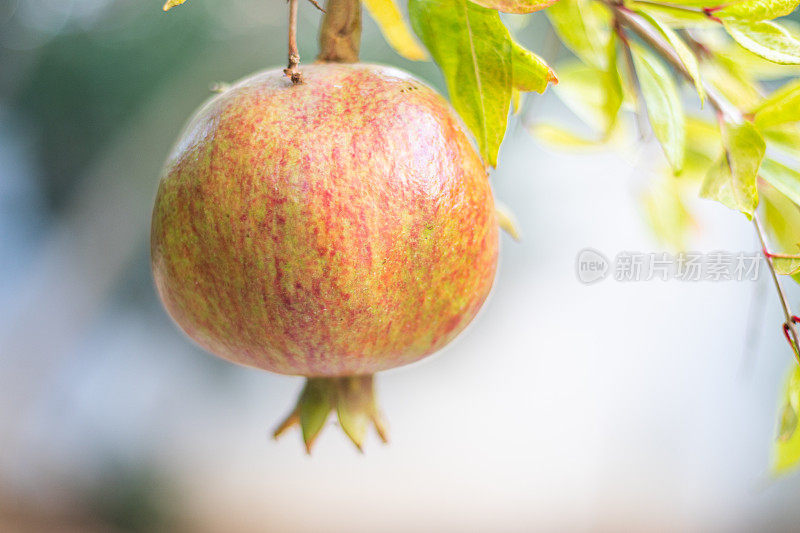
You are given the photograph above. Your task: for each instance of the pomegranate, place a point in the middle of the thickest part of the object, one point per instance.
(330, 229)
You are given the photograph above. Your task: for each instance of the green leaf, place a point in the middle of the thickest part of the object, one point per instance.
(515, 6)
(783, 178)
(732, 179)
(394, 29)
(766, 39)
(529, 71)
(663, 105)
(781, 107)
(583, 28)
(786, 451)
(477, 57)
(757, 9)
(473, 49)
(685, 54)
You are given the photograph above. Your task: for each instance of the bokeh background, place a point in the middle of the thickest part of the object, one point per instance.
(644, 406)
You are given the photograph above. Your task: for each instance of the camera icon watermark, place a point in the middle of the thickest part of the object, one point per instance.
(592, 266)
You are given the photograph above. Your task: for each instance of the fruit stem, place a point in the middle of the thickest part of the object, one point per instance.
(353, 399)
(294, 55)
(340, 33)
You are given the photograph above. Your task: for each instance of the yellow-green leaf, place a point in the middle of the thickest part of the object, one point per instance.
(757, 9)
(663, 105)
(703, 136)
(685, 54)
(473, 49)
(786, 266)
(515, 6)
(612, 87)
(732, 81)
(583, 27)
(585, 90)
(529, 71)
(559, 138)
(354, 422)
(785, 138)
(506, 220)
(516, 100)
(755, 66)
(480, 62)
(395, 29)
(172, 3)
(703, 143)
(782, 221)
(781, 107)
(667, 213)
(766, 39)
(783, 178)
(786, 452)
(674, 15)
(732, 179)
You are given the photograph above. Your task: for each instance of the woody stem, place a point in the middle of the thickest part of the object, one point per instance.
(294, 56)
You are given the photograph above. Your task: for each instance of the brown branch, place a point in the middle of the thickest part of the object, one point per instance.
(292, 69)
(641, 110)
(781, 295)
(340, 34)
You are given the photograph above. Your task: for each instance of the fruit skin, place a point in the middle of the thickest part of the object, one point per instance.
(338, 227)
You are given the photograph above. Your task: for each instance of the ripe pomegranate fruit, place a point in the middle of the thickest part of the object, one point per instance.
(331, 229)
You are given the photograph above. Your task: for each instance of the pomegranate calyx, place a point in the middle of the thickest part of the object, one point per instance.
(353, 399)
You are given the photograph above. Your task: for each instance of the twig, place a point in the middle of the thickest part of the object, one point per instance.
(725, 111)
(787, 313)
(703, 51)
(641, 110)
(315, 4)
(651, 36)
(294, 56)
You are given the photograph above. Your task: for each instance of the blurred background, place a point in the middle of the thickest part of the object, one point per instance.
(644, 406)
